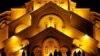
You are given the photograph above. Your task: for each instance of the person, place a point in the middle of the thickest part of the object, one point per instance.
(28, 52)
(83, 54)
(50, 54)
(32, 54)
(68, 53)
(55, 53)
(23, 53)
(59, 53)
(75, 54)
(3, 53)
(92, 54)
(79, 53)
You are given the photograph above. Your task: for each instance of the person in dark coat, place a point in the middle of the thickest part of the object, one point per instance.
(50, 54)
(83, 54)
(92, 54)
(75, 54)
(28, 52)
(3, 53)
(55, 53)
(59, 53)
(79, 53)
(68, 53)
(23, 53)
(32, 54)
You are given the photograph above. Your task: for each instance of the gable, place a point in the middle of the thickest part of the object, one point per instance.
(51, 32)
(48, 9)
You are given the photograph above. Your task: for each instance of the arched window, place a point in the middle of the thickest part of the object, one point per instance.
(51, 21)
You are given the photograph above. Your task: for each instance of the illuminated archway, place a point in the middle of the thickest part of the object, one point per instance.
(49, 46)
(51, 21)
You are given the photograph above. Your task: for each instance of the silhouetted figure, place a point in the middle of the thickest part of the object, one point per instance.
(79, 53)
(83, 54)
(68, 53)
(23, 53)
(3, 53)
(59, 53)
(32, 54)
(28, 52)
(75, 54)
(55, 53)
(92, 54)
(50, 54)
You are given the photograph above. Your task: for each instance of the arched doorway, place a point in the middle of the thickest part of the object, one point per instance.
(49, 46)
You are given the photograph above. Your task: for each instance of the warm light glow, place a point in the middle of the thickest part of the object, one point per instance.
(78, 49)
(87, 43)
(17, 12)
(86, 37)
(14, 38)
(20, 27)
(21, 50)
(13, 44)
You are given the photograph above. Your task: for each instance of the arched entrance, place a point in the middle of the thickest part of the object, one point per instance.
(49, 46)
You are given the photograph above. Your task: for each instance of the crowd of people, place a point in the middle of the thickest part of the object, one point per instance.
(56, 53)
(68, 53)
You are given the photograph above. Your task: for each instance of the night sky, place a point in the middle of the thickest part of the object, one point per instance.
(93, 4)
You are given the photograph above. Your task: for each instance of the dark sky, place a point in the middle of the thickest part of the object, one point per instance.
(93, 4)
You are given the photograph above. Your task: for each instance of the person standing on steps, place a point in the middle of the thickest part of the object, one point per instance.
(79, 53)
(59, 53)
(75, 54)
(50, 54)
(68, 53)
(55, 53)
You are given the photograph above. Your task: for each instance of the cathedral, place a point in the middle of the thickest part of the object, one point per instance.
(39, 27)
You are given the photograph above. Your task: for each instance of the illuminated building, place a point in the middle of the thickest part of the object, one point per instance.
(43, 26)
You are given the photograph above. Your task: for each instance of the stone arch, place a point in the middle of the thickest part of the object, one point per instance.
(37, 17)
(60, 17)
(52, 14)
(49, 46)
(51, 20)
